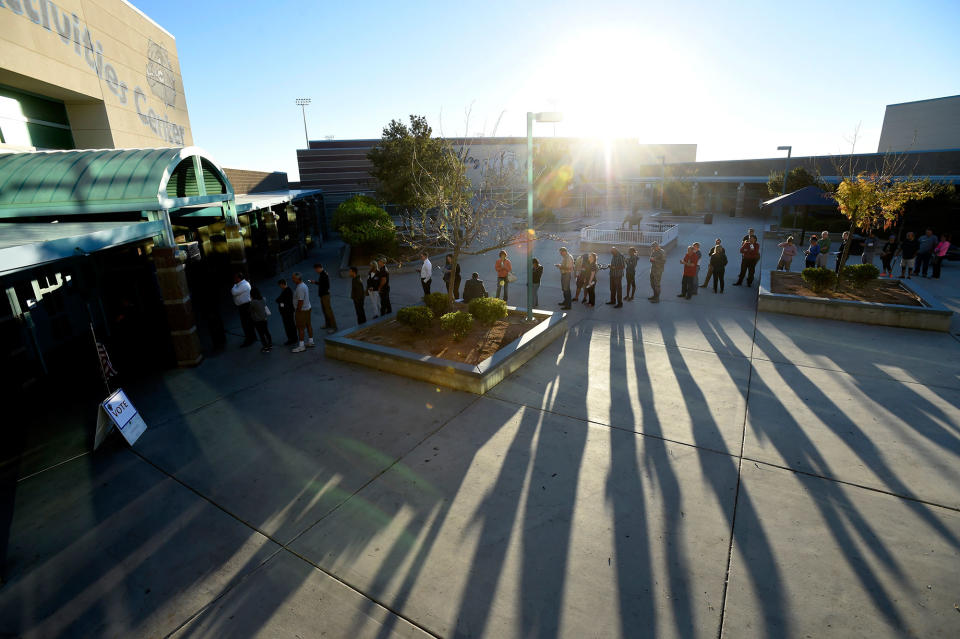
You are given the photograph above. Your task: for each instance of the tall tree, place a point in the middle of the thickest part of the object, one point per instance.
(799, 177)
(393, 160)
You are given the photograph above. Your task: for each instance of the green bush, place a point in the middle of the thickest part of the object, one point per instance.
(439, 303)
(860, 274)
(544, 216)
(458, 323)
(488, 310)
(362, 223)
(819, 279)
(418, 318)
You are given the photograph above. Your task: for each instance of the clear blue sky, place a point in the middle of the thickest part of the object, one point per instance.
(738, 79)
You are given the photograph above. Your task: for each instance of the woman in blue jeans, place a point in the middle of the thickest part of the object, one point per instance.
(504, 268)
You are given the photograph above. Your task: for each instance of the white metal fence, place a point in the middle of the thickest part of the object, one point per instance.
(611, 233)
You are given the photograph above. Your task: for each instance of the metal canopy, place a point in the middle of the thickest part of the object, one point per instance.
(253, 201)
(33, 244)
(55, 183)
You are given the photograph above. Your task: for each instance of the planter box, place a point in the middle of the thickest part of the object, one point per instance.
(932, 316)
(477, 378)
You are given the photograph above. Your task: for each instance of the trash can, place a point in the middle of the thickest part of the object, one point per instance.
(708, 218)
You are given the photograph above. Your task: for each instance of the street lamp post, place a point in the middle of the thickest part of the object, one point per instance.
(786, 172)
(663, 174)
(545, 116)
(302, 103)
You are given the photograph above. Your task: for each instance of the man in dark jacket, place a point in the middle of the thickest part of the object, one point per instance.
(323, 292)
(285, 304)
(473, 288)
(617, 266)
(383, 276)
(908, 254)
(357, 294)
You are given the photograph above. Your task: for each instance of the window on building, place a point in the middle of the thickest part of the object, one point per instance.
(30, 120)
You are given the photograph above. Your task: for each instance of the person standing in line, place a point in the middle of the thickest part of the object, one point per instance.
(383, 287)
(696, 249)
(658, 259)
(241, 299)
(452, 279)
(750, 232)
(632, 259)
(689, 281)
(503, 268)
(617, 266)
(285, 305)
(536, 275)
(869, 248)
(750, 252)
(787, 254)
(323, 291)
(426, 273)
(926, 243)
(566, 266)
(890, 249)
(844, 241)
(939, 253)
(373, 286)
(812, 252)
(302, 310)
(580, 272)
(908, 254)
(824, 244)
(259, 314)
(358, 295)
(591, 285)
(718, 264)
(473, 289)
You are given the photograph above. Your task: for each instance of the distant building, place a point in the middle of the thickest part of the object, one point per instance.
(924, 125)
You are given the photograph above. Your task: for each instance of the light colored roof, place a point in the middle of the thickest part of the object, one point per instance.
(252, 201)
(52, 183)
(32, 244)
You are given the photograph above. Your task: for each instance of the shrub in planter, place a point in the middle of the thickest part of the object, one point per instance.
(439, 303)
(418, 318)
(819, 279)
(860, 274)
(488, 310)
(458, 323)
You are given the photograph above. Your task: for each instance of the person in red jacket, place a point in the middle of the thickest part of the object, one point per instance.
(749, 256)
(689, 282)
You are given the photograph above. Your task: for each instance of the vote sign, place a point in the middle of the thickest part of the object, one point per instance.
(120, 410)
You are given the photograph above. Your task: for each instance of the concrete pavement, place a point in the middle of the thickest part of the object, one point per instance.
(686, 469)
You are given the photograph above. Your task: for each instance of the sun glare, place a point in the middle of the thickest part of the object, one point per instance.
(615, 83)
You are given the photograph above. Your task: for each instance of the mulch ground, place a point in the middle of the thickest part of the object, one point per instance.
(883, 291)
(478, 345)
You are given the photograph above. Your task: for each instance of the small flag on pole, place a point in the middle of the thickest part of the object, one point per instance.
(105, 365)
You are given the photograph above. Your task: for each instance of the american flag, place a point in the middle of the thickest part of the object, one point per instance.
(105, 365)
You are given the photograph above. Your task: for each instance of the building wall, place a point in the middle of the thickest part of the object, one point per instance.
(115, 70)
(245, 181)
(925, 125)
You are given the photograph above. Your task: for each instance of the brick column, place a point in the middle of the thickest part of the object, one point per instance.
(738, 210)
(176, 302)
(694, 195)
(238, 256)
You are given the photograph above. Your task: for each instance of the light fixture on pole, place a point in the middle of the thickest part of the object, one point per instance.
(786, 172)
(663, 172)
(302, 103)
(545, 116)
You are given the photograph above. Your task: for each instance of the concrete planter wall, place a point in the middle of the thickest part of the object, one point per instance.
(933, 316)
(471, 378)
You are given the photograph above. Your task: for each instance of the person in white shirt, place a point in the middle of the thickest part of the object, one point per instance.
(301, 304)
(426, 273)
(241, 298)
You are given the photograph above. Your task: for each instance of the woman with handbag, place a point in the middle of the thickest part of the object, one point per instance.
(452, 280)
(590, 286)
(504, 274)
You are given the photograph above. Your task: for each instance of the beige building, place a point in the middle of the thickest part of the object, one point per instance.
(88, 74)
(924, 125)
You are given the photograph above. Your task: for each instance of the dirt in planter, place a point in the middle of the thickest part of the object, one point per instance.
(479, 344)
(882, 291)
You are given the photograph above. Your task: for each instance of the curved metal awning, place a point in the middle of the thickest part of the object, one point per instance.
(56, 183)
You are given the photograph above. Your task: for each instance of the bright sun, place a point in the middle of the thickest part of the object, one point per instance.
(616, 83)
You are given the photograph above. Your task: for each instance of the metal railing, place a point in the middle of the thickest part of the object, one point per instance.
(611, 233)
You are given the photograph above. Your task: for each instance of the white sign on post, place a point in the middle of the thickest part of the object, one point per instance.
(117, 410)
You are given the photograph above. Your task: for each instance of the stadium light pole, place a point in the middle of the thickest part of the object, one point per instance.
(302, 103)
(786, 172)
(545, 116)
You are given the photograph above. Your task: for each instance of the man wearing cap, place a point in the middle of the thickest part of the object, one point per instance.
(658, 258)
(617, 266)
(566, 269)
